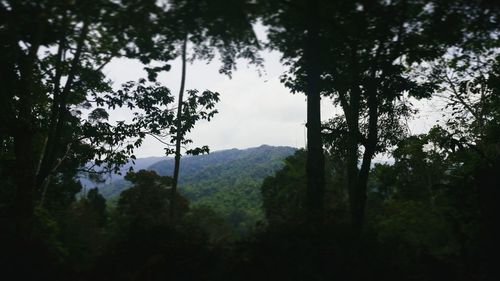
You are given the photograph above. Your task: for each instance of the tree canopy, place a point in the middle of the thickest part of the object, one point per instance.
(330, 211)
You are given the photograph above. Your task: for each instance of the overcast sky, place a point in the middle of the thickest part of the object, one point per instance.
(253, 110)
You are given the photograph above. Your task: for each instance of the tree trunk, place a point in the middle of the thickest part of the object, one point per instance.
(179, 134)
(357, 178)
(24, 142)
(23, 211)
(350, 106)
(315, 165)
(353, 179)
(59, 112)
(24, 179)
(358, 203)
(24, 174)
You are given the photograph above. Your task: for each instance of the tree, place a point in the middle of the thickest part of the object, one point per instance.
(50, 61)
(146, 242)
(467, 79)
(357, 52)
(283, 194)
(213, 27)
(372, 48)
(55, 117)
(469, 84)
(284, 197)
(147, 203)
(295, 29)
(83, 230)
(430, 183)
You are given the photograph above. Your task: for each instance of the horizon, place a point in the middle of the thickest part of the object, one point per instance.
(380, 159)
(223, 149)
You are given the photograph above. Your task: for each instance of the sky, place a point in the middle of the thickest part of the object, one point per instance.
(254, 109)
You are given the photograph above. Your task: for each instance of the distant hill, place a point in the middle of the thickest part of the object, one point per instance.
(115, 183)
(205, 172)
(228, 181)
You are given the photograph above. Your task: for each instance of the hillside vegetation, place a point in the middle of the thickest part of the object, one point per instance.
(226, 181)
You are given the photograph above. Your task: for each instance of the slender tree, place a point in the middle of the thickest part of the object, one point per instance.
(214, 28)
(178, 136)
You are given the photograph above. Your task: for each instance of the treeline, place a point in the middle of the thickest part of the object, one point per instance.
(227, 181)
(431, 215)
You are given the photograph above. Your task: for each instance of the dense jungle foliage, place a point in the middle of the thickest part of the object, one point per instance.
(328, 212)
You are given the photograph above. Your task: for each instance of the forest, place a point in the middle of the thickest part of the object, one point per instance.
(327, 211)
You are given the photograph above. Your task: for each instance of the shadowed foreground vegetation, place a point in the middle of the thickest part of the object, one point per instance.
(423, 223)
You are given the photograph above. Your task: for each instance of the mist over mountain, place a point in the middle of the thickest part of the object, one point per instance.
(111, 179)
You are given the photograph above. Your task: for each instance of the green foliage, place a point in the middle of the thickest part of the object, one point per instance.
(147, 203)
(204, 220)
(417, 225)
(423, 215)
(47, 231)
(431, 215)
(228, 181)
(231, 39)
(148, 242)
(283, 194)
(97, 204)
(427, 201)
(84, 230)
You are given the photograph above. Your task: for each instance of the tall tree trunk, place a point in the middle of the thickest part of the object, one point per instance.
(24, 164)
(358, 203)
(24, 177)
(315, 165)
(357, 178)
(24, 142)
(179, 134)
(24, 180)
(59, 112)
(350, 106)
(353, 177)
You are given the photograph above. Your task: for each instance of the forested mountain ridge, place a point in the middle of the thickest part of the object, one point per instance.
(230, 166)
(227, 181)
(206, 170)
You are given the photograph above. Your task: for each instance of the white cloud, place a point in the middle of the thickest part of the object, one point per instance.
(253, 110)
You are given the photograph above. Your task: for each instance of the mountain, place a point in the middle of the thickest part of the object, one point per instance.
(227, 181)
(205, 173)
(115, 183)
